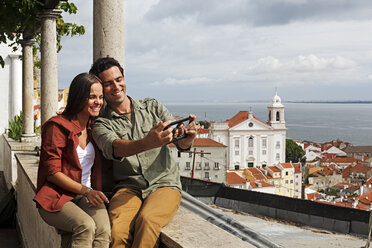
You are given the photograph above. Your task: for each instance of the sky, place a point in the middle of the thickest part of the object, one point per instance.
(236, 50)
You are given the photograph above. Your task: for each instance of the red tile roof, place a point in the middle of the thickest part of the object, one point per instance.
(274, 168)
(256, 173)
(240, 117)
(203, 130)
(286, 165)
(342, 160)
(312, 196)
(297, 167)
(263, 184)
(361, 168)
(233, 178)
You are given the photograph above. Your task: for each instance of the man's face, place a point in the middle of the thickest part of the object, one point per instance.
(114, 88)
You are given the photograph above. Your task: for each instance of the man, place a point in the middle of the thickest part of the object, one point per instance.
(147, 182)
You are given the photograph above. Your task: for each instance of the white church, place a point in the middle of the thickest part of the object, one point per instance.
(250, 141)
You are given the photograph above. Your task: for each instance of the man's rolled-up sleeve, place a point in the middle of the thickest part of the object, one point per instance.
(104, 136)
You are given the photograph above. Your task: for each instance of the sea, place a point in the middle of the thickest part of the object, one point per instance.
(317, 122)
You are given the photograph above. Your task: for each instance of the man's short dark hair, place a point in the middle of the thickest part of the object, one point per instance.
(102, 64)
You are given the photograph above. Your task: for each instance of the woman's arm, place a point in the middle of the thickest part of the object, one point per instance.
(95, 197)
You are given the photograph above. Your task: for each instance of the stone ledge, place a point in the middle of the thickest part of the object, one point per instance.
(185, 230)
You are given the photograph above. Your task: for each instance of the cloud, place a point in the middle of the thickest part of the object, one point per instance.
(260, 13)
(302, 63)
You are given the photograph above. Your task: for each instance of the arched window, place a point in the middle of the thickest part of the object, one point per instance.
(250, 142)
(277, 116)
(269, 115)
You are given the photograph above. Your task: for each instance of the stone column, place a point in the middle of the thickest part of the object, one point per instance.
(108, 29)
(27, 91)
(15, 85)
(49, 70)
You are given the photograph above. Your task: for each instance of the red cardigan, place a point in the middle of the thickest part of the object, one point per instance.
(60, 138)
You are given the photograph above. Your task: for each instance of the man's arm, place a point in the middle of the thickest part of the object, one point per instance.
(155, 138)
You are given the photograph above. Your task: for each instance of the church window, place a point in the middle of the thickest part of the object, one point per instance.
(269, 115)
(250, 152)
(277, 145)
(263, 152)
(250, 142)
(236, 144)
(236, 167)
(237, 152)
(264, 143)
(250, 164)
(187, 166)
(277, 116)
(277, 156)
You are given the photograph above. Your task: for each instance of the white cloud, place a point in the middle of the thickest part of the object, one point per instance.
(237, 49)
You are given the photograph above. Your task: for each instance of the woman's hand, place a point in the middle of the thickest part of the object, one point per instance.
(96, 197)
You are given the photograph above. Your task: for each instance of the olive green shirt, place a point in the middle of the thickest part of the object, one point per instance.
(147, 170)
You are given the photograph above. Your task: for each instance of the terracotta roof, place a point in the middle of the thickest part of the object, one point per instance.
(263, 184)
(346, 172)
(256, 173)
(297, 167)
(233, 178)
(203, 130)
(341, 160)
(286, 165)
(361, 168)
(358, 149)
(274, 168)
(312, 196)
(204, 142)
(240, 117)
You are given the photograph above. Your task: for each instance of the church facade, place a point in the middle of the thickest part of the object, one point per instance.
(250, 141)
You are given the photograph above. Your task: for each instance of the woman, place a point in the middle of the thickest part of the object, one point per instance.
(69, 166)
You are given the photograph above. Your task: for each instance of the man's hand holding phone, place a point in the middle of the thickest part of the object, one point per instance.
(184, 136)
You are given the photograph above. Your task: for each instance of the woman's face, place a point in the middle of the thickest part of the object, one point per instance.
(95, 100)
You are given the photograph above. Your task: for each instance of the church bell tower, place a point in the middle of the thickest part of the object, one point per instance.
(276, 113)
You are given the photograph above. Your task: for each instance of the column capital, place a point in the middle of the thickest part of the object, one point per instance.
(50, 14)
(14, 56)
(27, 42)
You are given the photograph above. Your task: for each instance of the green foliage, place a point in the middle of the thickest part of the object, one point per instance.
(19, 17)
(294, 152)
(15, 127)
(205, 124)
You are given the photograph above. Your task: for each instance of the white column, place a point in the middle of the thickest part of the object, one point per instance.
(49, 70)
(27, 91)
(15, 85)
(108, 29)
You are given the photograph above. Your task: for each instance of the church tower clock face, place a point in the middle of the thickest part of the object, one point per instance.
(250, 124)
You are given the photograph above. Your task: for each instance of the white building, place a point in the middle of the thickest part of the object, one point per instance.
(252, 142)
(207, 157)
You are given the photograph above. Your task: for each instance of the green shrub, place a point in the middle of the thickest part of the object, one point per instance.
(15, 127)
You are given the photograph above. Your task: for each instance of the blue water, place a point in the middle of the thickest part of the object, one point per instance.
(319, 122)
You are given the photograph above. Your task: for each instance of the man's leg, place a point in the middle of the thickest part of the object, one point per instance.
(123, 209)
(156, 212)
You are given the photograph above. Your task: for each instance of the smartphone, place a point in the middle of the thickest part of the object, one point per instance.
(177, 123)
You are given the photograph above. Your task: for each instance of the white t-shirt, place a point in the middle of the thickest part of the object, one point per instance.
(86, 158)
